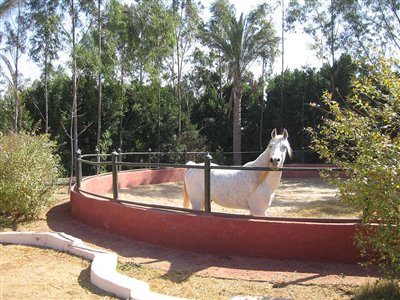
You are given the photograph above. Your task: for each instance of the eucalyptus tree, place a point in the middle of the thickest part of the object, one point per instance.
(373, 24)
(117, 24)
(188, 15)
(117, 19)
(15, 46)
(323, 21)
(151, 38)
(241, 41)
(99, 75)
(78, 12)
(8, 5)
(352, 26)
(45, 40)
(92, 58)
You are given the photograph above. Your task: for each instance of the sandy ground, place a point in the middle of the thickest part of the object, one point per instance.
(295, 197)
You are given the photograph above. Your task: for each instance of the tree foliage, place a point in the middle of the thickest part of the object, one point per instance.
(45, 41)
(160, 88)
(347, 26)
(361, 135)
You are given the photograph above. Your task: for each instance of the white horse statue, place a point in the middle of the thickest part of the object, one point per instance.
(252, 190)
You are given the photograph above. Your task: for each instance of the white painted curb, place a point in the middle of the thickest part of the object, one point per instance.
(103, 271)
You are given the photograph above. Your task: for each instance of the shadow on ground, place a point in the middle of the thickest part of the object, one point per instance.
(175, 261)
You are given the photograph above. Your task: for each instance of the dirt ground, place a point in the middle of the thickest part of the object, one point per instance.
(295, 197)
(33, 273)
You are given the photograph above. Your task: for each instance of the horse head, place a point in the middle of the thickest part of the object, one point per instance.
(277, 148)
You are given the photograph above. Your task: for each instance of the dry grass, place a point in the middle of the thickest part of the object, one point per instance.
(36, 273)
(324, 209)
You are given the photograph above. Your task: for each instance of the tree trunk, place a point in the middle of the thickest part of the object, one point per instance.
(46, 96)
(74, 106)
(99, 104)
(18, 108)
(46, 73)
(237, 122)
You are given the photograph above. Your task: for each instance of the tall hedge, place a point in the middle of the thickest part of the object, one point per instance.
(29, 168)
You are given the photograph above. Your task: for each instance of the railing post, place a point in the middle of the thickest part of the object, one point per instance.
(78, 168)
(114, 156)
(97, 151)
(149, 156)
(119, 159)
(207, 182)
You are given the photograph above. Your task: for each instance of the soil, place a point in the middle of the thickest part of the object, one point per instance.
(295, 197)
(33, 273)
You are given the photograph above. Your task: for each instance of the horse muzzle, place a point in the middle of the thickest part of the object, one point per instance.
(275, 162)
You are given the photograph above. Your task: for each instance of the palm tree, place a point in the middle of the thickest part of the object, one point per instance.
(240, 42)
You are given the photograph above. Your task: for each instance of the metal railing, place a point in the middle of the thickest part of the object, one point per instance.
(116, 164)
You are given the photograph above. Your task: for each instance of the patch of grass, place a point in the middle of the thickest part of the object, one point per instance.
(128, 266)
(6, 222)
(380, 290)
(324, 209)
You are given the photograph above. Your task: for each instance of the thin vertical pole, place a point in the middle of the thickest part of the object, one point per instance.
(97, 160)
(207, 182)
(283, 66)
(78, 166)
(119, 159)
(114, 156)
(149, 156)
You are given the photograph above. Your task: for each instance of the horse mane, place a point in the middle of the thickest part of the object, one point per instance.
(261, 178)
(263, 174)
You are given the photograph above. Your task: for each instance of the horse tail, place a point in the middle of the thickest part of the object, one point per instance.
(186, 199)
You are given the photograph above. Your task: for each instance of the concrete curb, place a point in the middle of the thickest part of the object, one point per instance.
(103, 271)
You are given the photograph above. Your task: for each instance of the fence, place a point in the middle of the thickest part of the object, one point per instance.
(116, 165)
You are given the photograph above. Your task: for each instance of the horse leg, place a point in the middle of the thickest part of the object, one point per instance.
(186, 199)
(258, 205)
(271, 198)
(191, 195)
(197, 203)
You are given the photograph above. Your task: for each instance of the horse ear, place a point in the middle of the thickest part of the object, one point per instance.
(285, 134)
(273, 133)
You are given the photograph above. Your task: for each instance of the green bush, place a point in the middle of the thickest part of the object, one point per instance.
(28, 172)
(362, 135)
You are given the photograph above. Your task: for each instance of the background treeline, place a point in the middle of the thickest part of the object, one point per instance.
(157, 74)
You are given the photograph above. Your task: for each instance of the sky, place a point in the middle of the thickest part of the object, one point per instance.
(296, 55)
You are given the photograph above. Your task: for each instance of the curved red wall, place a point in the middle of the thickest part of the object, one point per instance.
(213, 233)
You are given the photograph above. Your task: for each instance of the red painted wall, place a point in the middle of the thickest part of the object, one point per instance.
(301, 174)
(212, 233)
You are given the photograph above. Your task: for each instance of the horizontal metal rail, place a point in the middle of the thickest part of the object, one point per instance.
(224, 214)
(116, 163)
(198, 166)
